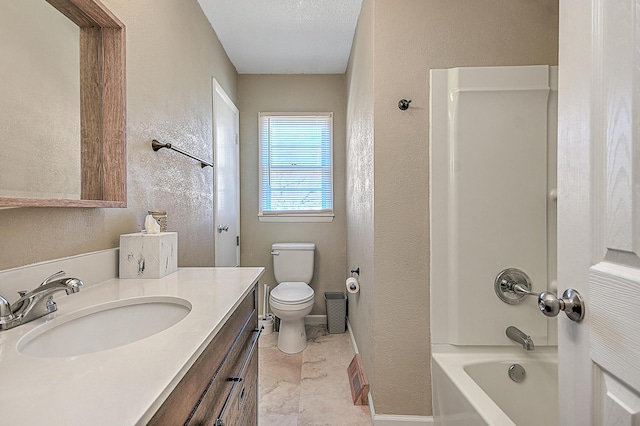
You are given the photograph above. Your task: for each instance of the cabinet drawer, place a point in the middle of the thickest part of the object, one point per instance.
(180, 404)
(241, 404)
(213, 401)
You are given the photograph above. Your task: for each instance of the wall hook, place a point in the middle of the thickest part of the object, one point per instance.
(403, 104)
(355, 271)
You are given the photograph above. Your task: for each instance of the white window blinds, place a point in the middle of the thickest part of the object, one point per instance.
(296, 164)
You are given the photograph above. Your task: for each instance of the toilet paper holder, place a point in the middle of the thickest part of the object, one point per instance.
(352, 282)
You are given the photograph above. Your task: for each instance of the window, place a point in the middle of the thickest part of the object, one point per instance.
(296, 166)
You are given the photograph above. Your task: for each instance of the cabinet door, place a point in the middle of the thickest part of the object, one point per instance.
(188, 394)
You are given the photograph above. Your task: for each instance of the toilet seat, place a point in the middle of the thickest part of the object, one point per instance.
(292, 293)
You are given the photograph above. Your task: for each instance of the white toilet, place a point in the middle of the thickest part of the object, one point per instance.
(292, 299)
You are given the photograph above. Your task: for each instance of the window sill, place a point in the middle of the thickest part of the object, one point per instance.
(305, 218)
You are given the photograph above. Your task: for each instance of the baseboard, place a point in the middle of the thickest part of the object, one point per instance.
(389, 419)
(397, 419)
(353, 340)
(315, 320)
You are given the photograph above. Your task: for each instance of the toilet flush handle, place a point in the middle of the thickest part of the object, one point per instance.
(275, 253)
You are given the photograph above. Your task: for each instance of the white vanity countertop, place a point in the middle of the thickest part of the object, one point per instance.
(127, 384)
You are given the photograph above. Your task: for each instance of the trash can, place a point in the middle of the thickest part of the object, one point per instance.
(336, 311)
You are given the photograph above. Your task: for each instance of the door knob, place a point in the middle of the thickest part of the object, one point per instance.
(222, 228)
(571, 303)
(512, 285)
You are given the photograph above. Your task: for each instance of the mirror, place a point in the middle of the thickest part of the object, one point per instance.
(40, 106)
(64, 122)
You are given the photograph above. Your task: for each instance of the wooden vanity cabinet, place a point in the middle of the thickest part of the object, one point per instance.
(221, 386)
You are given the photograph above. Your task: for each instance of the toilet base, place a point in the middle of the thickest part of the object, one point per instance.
(292, 337)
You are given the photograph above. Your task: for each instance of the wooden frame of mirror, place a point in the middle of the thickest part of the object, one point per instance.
(102, 106)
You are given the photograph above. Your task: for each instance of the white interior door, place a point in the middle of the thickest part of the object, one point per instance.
(598, 210)
(227, 179)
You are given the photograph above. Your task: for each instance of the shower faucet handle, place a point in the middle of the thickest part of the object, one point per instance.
(512, 285)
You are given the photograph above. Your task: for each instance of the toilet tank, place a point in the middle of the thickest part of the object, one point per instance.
(293, 262)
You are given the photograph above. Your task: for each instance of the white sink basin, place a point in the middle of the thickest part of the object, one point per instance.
(103, 327)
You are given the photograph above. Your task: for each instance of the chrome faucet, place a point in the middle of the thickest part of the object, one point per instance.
(521, 338)
(37, 302)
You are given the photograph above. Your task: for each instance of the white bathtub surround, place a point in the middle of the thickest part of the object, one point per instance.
(150, 367)
(492, 162)
(490, 132)
(471, 386)
(145, 255)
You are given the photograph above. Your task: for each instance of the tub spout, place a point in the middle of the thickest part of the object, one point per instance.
(521, 338)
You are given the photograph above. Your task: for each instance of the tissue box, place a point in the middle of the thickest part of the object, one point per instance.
(148, 255)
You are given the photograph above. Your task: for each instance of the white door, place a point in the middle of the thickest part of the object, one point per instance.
(227, 179)
(598, 210)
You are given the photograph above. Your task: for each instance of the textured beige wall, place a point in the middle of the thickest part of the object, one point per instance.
(292, 93)
(409, 38)
(360, 186)
(172, 55)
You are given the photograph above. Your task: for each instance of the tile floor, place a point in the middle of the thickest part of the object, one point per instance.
(310, 387)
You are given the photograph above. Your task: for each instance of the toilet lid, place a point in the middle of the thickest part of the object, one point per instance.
(292, 292)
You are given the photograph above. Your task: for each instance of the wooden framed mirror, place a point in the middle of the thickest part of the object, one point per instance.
(102, 111)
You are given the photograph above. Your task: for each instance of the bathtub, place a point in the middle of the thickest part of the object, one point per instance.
(471, 386)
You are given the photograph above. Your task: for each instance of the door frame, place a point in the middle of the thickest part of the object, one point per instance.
(220, 95)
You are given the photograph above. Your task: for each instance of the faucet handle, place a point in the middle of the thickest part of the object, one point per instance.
(49, 278)
(73, 285)
(6, 314)
(51, 305)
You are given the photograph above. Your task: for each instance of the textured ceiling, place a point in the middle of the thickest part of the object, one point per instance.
(285, 36)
